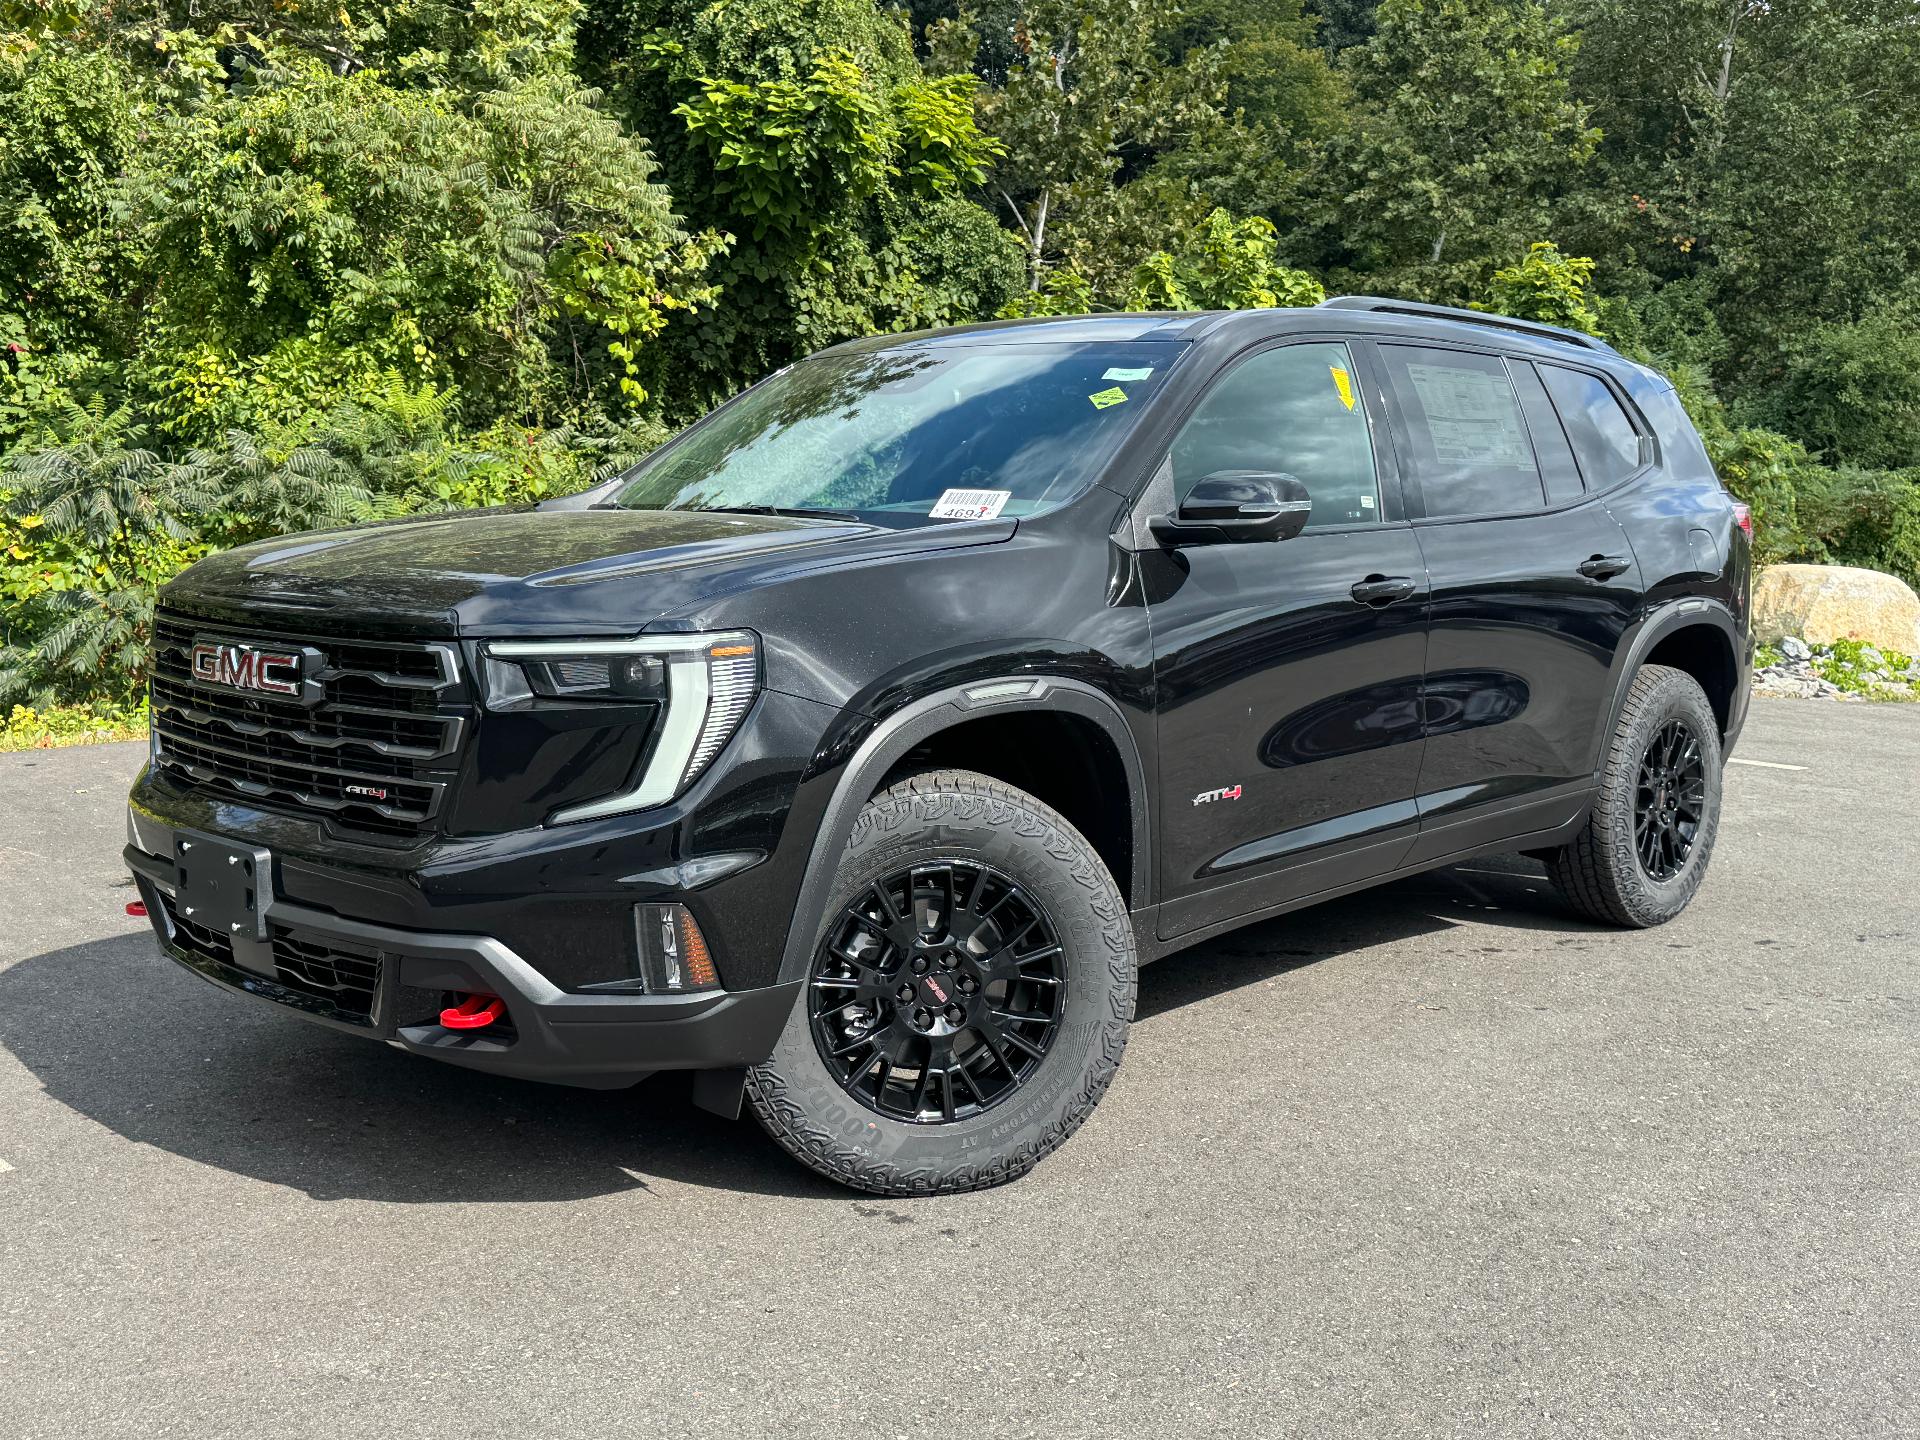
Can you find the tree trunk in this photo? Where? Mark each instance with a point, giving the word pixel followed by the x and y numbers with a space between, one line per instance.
pixel 1038 241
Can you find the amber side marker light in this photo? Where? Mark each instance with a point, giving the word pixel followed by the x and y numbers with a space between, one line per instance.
pixel 673 955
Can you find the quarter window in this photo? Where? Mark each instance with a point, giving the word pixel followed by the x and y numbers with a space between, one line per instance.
pixel 1295 410
pixel 1604 440
pixel 1550 448
pixel 1468 440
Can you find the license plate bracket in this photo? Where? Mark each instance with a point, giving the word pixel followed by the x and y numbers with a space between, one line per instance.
pixel 222 886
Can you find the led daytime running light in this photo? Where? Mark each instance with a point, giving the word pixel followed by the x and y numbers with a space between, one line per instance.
pixel 711 684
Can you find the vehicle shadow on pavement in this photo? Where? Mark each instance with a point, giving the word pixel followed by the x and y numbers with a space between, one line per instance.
pixel 116 1033
pixel 119 1034
pixel 1503 890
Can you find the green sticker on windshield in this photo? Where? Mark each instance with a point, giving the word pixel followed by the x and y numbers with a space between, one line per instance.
pixel 1103 398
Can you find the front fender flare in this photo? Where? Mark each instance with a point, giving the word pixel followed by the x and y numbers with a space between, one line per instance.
pixel 907 727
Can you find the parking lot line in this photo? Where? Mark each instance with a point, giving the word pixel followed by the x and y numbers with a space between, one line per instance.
pixel 1763 764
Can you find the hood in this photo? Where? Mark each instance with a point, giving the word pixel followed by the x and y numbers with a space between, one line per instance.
pixel 522 570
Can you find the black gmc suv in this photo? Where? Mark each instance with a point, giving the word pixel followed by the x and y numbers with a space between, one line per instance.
pixel 854 748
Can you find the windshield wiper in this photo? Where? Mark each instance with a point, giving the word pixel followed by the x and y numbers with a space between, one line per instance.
pixel 796 512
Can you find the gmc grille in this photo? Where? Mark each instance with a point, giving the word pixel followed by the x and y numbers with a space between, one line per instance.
pixel 376 754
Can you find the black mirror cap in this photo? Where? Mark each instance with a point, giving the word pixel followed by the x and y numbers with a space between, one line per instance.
pixel 1232 507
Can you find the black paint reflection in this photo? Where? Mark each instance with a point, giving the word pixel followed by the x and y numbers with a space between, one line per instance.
pixel 1467 699
pixel 1393 712
pixel 1369 718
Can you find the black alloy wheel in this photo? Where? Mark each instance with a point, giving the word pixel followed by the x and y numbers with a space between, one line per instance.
pixel 1669 800
pixel 937 991
pixel 1642 851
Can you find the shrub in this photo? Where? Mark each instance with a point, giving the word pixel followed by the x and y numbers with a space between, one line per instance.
pixel 1852 391
pixel 1860 517
pixel 99 523
pixel 25 728
pixel 1546 286
pixel 1226 264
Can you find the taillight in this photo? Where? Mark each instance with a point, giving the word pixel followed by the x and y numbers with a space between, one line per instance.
pixel 1743 517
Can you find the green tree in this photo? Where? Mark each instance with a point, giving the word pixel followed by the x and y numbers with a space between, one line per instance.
pixel 1250 149
pixel 1766 151
pixel 1086 88
pixel 315 237
pixel 68 129
pixel 1345 23
pixel 806 130
pixel 1469 133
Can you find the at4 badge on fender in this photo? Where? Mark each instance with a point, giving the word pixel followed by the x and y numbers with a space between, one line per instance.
pixel 1231 792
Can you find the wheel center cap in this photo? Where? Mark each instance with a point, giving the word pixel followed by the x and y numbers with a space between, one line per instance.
pixel 937 990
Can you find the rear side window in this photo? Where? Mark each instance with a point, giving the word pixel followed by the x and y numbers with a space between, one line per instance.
pixel 1604 440
pixel 1466 436
pixel 1550 445
pixel 1295 410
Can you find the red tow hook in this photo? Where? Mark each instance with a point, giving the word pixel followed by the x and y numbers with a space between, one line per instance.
pixel 137 909
pixel 476 1012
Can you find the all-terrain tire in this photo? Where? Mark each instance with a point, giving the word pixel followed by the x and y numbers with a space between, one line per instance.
pixel 1600 873
pixel 964 817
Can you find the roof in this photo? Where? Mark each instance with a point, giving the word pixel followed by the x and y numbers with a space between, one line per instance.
pixel 1365 314
pixel 1155 328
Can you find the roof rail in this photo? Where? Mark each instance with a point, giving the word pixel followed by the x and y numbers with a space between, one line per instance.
pixel 1385 306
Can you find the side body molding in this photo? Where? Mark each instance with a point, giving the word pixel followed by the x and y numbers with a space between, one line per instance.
pixel 1660 622
pixel 895 736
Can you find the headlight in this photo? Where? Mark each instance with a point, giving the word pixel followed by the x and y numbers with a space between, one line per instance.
pixel 704 684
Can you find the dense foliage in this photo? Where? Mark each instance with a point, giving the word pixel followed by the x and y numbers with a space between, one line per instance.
pixel 268 266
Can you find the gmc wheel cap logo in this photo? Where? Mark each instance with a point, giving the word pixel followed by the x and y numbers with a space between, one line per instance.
pixel 262 672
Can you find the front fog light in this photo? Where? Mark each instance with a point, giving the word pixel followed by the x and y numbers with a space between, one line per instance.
pixel 704 684
pixel 672 952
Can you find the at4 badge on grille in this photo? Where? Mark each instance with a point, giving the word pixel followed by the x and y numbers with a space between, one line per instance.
pixel 288 672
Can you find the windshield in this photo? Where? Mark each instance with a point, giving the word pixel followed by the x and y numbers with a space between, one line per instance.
pixel 901 435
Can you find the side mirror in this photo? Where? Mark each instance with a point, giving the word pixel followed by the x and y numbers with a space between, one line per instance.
pixel 1237 507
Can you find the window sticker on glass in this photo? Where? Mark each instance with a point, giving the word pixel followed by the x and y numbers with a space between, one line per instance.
pixel 1112 396
pixel 1472 416
pixel 1120 372
pixel 969 504
pixel 1342 382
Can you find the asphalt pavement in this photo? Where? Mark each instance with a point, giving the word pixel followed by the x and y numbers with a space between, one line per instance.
pixel 1434 1160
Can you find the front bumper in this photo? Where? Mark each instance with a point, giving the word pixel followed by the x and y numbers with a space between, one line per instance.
pixel 388 983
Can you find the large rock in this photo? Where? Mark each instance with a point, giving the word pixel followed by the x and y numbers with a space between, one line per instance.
pixel 1825 603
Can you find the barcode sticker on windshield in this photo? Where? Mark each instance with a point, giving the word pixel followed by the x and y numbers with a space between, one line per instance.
pixel 969 504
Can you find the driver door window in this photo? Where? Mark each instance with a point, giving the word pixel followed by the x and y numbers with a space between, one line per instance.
pixel 1297 411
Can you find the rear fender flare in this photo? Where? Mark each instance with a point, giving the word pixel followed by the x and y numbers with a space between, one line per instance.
pixel 1658 624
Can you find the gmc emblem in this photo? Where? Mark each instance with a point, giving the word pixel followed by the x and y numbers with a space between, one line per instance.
pixel 262 672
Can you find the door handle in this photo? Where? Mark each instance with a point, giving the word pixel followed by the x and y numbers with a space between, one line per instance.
pixel 1379 590
pixel 1603 567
